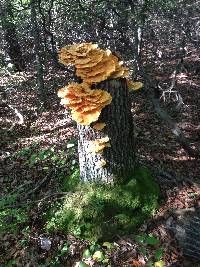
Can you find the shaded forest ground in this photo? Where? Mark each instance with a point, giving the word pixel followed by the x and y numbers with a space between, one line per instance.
pixel 38 155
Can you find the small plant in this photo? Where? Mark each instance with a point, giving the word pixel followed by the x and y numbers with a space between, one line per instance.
pixel 147 243
pixel 47 157
pixel 10 263
pixel 11 219
pixel 25 239
pixel 57 259
pixel 97 253
pixel 24 152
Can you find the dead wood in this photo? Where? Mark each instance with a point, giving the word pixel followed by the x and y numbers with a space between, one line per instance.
pixel 150 86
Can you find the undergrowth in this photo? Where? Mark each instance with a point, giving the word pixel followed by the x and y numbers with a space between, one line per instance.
pixel 96 212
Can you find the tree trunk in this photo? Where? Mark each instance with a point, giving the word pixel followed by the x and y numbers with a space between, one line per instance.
pixel 38 59
pixel 48 35
pixel 120 157
pixel 12 44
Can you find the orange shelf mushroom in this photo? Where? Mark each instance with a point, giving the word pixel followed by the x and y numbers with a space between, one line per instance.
pixel 93 65
pixel 97 146
pixel 101 163
pixel 99 126
pixel 134 85
pixel 100 71
pixel 70 53
pixel 86 103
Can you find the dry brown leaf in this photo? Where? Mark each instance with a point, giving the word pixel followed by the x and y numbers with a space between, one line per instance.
pixel 137 263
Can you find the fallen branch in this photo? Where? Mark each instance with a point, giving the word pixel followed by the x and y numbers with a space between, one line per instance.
pixel 18 114
pixel 149 87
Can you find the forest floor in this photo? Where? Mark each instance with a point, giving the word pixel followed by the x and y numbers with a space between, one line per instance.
pixel 38 152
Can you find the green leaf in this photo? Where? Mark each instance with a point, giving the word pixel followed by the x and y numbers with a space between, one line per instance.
pixel 45 168
pixel 158 254
pixel 143 251
pixel 151 240
pixel 33 158
pixel 54 158
pixel 98 256
pixel 42 155
pixel 108 245
pixel 83 264
pixel 140 238
pixel 159 264
pixel 65 248
pixel 86 254
pixel 63 162
pixel 94 247
pixel 150 263
pixel 69 145
pixel 105 261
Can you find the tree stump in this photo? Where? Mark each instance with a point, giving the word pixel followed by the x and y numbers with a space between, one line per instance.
pixel 120 157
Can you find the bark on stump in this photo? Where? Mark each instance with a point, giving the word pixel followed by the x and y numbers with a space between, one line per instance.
pixel 120 157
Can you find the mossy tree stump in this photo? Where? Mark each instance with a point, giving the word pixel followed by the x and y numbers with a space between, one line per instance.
pixel 120 156
pixel 110 196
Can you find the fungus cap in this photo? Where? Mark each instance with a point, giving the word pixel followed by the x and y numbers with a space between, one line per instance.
pixel 134 85
pixel 97 146
pixel 69 54
pixel 99 126
pixel 101 71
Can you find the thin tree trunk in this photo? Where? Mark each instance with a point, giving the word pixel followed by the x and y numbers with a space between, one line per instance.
pixel 13 47
pixel 46 18
pixel 137 49
pixel 120 157
pixel 38 59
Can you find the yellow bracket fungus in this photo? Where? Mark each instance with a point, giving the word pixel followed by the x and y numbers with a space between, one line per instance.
pixel 99 126
pixel 134 85
pixel 86 103
pixel 101 163
pixel 97 146
pixel 93 65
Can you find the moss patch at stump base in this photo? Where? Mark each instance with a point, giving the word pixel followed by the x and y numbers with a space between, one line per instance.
pixel 98 212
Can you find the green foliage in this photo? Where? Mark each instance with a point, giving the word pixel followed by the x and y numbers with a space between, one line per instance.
pixel 94 211
pixel 8 200
pixel 70 183
pixel 97 253
pixel 12 219
pixel 83 264
pixel 57 259
pixel 10 263
pixel 147 243
pixel 33 156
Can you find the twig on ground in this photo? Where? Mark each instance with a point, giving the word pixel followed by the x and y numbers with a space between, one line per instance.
pixel 17 189
pixel 43 181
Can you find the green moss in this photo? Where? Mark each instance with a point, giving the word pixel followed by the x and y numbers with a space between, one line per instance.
pixel 72 181
pixel 12 219
pixel 96 211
